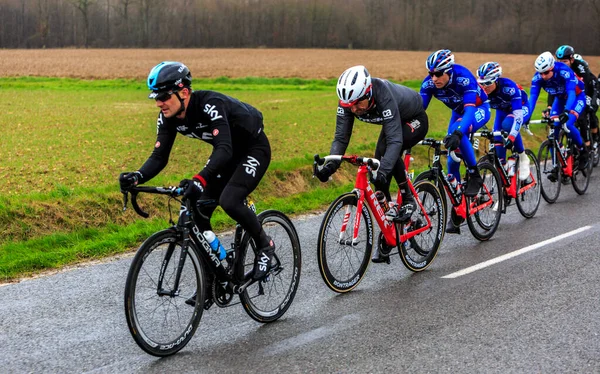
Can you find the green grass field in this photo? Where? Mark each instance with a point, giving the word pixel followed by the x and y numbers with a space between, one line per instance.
pixel 63 143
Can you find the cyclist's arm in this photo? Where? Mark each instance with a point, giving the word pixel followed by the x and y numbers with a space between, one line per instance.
pixel 468 118
pixel 343 131
pixel 162 149
pixel 534 94
pixel 517 111
pixel 426 92
pixel 570 86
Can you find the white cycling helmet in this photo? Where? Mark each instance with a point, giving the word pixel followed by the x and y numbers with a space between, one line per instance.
pixel 354 85
pixel 544 62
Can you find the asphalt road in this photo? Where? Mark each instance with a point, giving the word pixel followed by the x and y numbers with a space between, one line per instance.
pixel 534 312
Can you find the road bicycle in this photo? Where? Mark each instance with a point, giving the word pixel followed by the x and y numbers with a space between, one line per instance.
pixel 558 158
pixel 175 275
pixel 345 240
pixel 526 193
pixel 481 212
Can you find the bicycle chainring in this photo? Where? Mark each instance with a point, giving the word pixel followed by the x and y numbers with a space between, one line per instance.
pixel 220 295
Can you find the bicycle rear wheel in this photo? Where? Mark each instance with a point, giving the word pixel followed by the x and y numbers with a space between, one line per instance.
pixel 418 252
pixel 581 178
pixel 162 323
pixel 484 223
pixel 342 261
pixel 551 172
pixel 267 300
pixel 528 201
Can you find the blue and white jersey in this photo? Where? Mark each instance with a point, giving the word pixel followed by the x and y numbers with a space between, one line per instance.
pixel 462 90
pixel 508 96
pixel 563 84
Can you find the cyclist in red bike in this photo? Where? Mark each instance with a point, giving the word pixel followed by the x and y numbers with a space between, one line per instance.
pixel 398 110
pixel 240 157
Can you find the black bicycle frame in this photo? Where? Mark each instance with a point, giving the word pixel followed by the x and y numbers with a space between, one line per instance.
pixel 437 169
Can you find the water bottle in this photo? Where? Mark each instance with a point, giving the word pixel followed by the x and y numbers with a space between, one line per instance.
pixel 452 180
pixel 510 166
pixel 215 244
pixel 382 201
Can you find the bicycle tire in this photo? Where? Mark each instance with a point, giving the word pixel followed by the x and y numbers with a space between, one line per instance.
pixel 146 310
pixel 267 300
pixel 580 179
pixel 333 249
pixel 436 179
pixel 550 189
pixel 484 223
pixel 418 252
pixel 529 201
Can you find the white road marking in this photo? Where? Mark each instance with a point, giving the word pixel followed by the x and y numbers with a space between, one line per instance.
pixel 514 253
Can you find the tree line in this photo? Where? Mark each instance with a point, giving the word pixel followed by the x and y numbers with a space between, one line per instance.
pixel 501 26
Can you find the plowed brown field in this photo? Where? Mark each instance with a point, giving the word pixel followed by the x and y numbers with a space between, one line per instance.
pixel 302 63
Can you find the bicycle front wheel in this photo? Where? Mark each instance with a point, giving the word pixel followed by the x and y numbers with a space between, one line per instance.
pixel 267 300
pixel 551 172
pixel 418 252
pixel 484 222
pixel 343 261
pixel 159 319
pixel 528 201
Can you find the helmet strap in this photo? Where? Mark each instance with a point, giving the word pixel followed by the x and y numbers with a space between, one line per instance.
pixel 182 104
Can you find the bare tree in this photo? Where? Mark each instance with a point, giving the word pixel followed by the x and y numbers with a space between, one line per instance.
pixel 84 8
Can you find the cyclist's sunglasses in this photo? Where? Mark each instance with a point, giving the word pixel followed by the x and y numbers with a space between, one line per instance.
pixel 163 96
pixel 436 73
pixel 486 83
pixel 353 103
pixel 545 72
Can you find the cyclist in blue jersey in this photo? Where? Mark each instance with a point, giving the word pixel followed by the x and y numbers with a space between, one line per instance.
pixel 510 101
pixel 457 88
pixel 569 99
pixel 566 54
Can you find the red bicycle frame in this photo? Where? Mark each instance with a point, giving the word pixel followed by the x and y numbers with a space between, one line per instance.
pixel 365 193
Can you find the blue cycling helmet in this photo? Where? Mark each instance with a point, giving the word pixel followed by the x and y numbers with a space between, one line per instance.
pixel 168 76
pixel 489 73
pixel 441 60
pixel 564 52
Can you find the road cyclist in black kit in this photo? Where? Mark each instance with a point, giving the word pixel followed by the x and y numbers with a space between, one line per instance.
pixel 399 111
pixel 240 157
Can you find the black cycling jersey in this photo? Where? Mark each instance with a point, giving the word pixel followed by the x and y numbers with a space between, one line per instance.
pixel 394 105
pixel 226 123
pixel 240 157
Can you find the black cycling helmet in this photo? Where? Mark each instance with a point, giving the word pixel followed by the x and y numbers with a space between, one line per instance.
pixel 564 52
pixel 168 76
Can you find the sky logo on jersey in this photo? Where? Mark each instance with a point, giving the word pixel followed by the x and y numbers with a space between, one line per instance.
pixel 251 166
pixel 182 128
pixel 387 113
pixel 212 112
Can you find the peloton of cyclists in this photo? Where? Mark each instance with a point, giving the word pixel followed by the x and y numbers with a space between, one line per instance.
pixel 457 88
pixel 510 101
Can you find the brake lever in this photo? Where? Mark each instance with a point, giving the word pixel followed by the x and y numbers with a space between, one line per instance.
pixel 125 199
